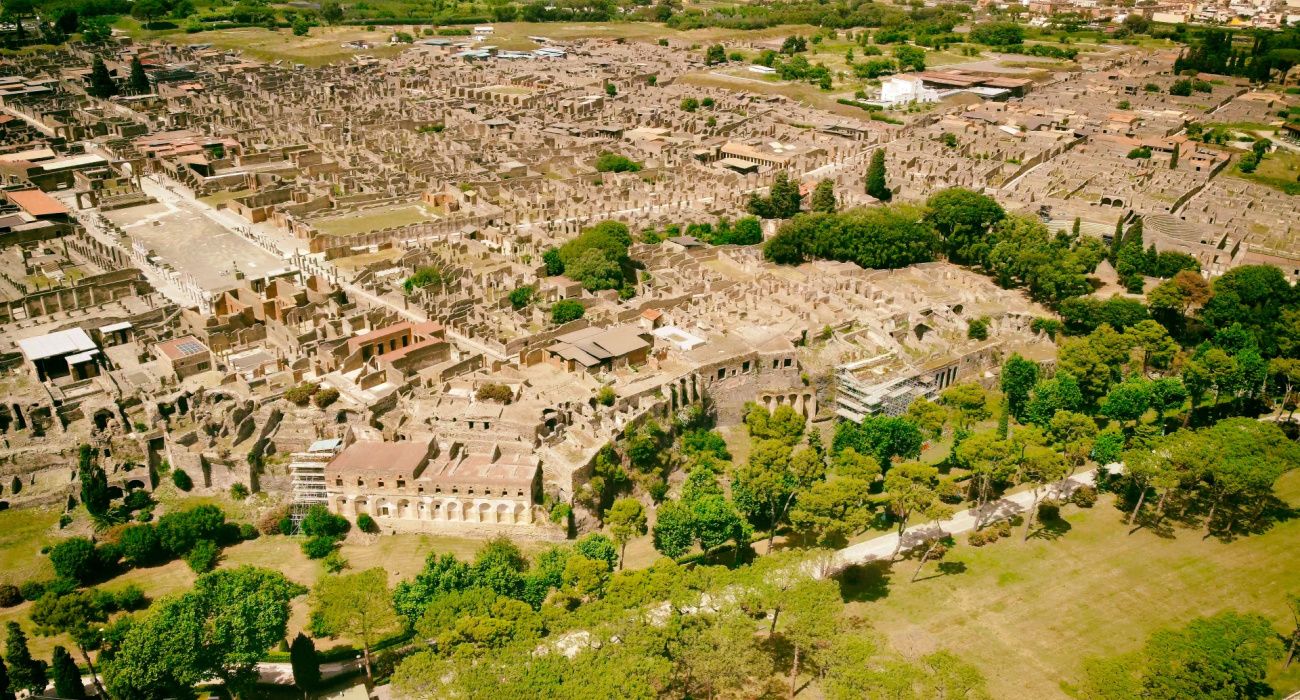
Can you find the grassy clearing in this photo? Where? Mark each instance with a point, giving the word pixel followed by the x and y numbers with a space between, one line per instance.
pixel 373 221
pixel 323 45
pixel 22 534
pixel 1028 614
pixel 1278 170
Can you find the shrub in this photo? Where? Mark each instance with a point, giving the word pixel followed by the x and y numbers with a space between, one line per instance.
pixel 302 393
pixel 65 520
pixel 978 329
pixel 238 491
pixel 1048 511
pixel 365 523
pixel 269 522
pixel 318 547
pixel 131 598
pixel 1003 528
pixel 319 522
pixel 203 556
pixel 141 545
pixel 334 562
pixel 614 163
pixel 31 590
pixel 1084 497
pixel 248 532
pixel 10 595
pixel 182 480
pixel 495 392
pixel 521 297
pixel 74 558
pixel 979 538
pixel 325 397
pixel 566 310
pixel 606 396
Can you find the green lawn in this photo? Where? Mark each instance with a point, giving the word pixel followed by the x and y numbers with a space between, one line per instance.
pixel 401 555
pixel 1028 613
pixel 22 534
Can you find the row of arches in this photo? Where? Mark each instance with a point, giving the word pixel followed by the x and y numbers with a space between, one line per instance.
pixel 492 512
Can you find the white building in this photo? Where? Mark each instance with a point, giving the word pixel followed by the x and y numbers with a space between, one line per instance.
pixel 898 90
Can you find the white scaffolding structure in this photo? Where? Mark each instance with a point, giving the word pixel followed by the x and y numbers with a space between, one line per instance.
pixel 307 470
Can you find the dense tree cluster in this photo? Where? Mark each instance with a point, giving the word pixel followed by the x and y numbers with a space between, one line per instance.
pixel 877 237
pixel 782 202
pixel 596 258
pixel 1271 55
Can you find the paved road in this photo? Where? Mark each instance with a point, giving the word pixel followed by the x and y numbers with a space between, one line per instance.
pixel 1002 509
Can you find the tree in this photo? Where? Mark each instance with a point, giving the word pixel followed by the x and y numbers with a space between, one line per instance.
pixel 766 485
pixel 79 615
pixel 716 53
pixel 25 672
pixel 441 575
pixel 964 219
pixel 823 197
pixel 94 484
pixel 300 26
pixel 810 609
pixel 1158 348
pixel 1039 466
pixel 1243 459
pixel 331 11
pixel 716 522
pixel 305 663
pixel 927 416
pixel 139 82
pixel 147 11
pixel 566 310
pixel 66 676
pixel 6 690
pixel 1018 379
pixel 876 186
pixel 1127 401
pixel 522 297
pixel 992 464
pixel 969 401
pixel 220 629
pixel 1225 656
pixel 1293 640
pixel 626 520
pixel 674 529
pixel 910 490
pixel 75 558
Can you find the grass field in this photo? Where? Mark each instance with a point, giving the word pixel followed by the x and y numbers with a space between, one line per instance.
pixel 1028 614
pixel 401 555
pixel 323 45
pixel 22 534
pixel 1278 170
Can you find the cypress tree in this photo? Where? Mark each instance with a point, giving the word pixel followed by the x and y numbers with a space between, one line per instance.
pixel 1117 240
pixel 24 671
pixel 823 198
pixel 67 677
pixel 6 692
pixel 305 663
pixel 1173 160
pixel 94 483
pixel 876 186
pixel 139 81
pixel 101 83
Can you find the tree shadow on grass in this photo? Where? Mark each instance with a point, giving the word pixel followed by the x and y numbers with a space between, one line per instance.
pixel 1051 529
pixel 946 568
pixel 865 582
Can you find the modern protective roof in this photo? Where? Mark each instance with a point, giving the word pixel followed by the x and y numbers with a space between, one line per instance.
pixel 69 342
